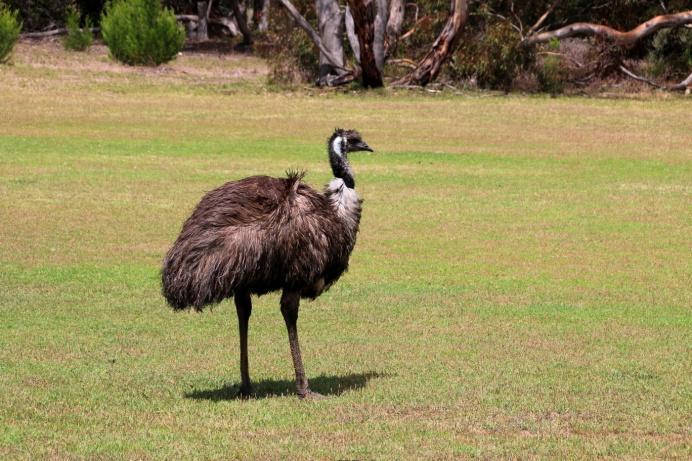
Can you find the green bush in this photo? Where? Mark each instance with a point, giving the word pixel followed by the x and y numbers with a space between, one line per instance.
pixel 77 39
pixel 9 31
pixel 671 52
pixel 293 58
pixel 141 32
pixel 494 57
pixel 550 70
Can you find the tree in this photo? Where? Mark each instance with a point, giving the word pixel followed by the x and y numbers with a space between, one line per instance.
pixel 429 67
pixel 370 40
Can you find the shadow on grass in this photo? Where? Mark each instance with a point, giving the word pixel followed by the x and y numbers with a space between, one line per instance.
pixel 325 385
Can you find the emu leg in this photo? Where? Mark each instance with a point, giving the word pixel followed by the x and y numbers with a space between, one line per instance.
pixel 290 301
pixel 243 305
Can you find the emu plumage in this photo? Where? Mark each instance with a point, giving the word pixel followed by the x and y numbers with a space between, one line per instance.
pixel 263 234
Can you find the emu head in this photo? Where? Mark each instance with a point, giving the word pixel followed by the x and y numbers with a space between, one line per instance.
pixel 339 145
pixel 344 141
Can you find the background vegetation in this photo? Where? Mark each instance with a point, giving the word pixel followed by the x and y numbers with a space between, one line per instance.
pixel 520 287
pixel 77 38
pixel 140 32
pixel 10 27
pixel 489 54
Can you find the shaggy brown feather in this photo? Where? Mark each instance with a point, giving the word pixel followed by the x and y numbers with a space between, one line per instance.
pixel 257 235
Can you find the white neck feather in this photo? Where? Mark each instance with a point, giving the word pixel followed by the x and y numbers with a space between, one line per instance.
pixel 337 144
pixel 345 201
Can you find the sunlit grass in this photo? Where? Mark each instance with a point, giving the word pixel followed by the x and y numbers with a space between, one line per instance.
pixel 520 287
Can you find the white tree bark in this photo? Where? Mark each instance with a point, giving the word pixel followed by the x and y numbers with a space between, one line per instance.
pixel 202 34
pixel 331 30
pixel 351 34
pixel 394 25
pixel 380 28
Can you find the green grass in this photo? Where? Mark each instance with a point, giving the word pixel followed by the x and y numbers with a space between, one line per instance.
pixel 521 286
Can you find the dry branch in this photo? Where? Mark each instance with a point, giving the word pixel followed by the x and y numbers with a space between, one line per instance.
pixel 684 85
pixel 634 76
pixel 227 22
pixel 542 19
pixel 620 38
pixel 52 33
pixel 430 65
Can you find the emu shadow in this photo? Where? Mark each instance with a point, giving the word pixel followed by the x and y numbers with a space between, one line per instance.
pixel 325 385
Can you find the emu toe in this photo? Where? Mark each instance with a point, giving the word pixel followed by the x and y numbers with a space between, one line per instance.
pixel 311 395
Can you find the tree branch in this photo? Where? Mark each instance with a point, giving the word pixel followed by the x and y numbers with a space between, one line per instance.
pixel 620 38
pixel 542 19
pixel 314 36
pixel 684 85
pixel 634 76
pixel 429 67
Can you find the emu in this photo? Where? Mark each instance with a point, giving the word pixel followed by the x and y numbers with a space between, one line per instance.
pixel 262 234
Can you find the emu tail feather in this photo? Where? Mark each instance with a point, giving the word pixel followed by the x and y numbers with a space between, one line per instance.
pixel 193 278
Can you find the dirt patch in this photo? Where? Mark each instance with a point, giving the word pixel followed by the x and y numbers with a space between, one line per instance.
pixel 213 60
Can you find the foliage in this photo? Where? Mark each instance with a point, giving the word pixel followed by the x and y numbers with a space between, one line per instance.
pixel 550 72
pixel 41 14
pixel 493 57
pixel 9 31
pixel 671 52
pixel 293 58
pixel 141 32
pixel 77 39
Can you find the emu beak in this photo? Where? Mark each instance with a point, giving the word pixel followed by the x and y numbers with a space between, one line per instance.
pixel 362 146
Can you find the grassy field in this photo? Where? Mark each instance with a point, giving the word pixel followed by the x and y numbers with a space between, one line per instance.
pixel 521 286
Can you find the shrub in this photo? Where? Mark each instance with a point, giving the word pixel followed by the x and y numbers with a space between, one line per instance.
pixel 140 32
pixel 671 52
pixel 493 58
pixel 550 70
pixel 9 31
pixel 77 39
pixel 293 58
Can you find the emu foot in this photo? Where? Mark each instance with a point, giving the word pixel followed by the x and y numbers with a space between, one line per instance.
pixel 307 394
pixel 246 392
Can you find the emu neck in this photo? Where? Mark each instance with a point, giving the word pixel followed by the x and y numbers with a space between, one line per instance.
pixel 338 159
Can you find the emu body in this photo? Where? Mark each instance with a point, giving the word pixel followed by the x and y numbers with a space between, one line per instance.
pixel 263 234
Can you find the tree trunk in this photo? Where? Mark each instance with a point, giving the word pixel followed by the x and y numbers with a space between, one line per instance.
pixel 242 22
pixel 364 12
pixel 202 34
pixel 381 16
pixel 618 37
pixel 260 15
pixel 330 27
pixel 429 67
pixel 351 34
pixel 346 74
pixel 394 25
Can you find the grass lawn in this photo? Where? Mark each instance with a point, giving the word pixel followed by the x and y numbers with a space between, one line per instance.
pixel 521 286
